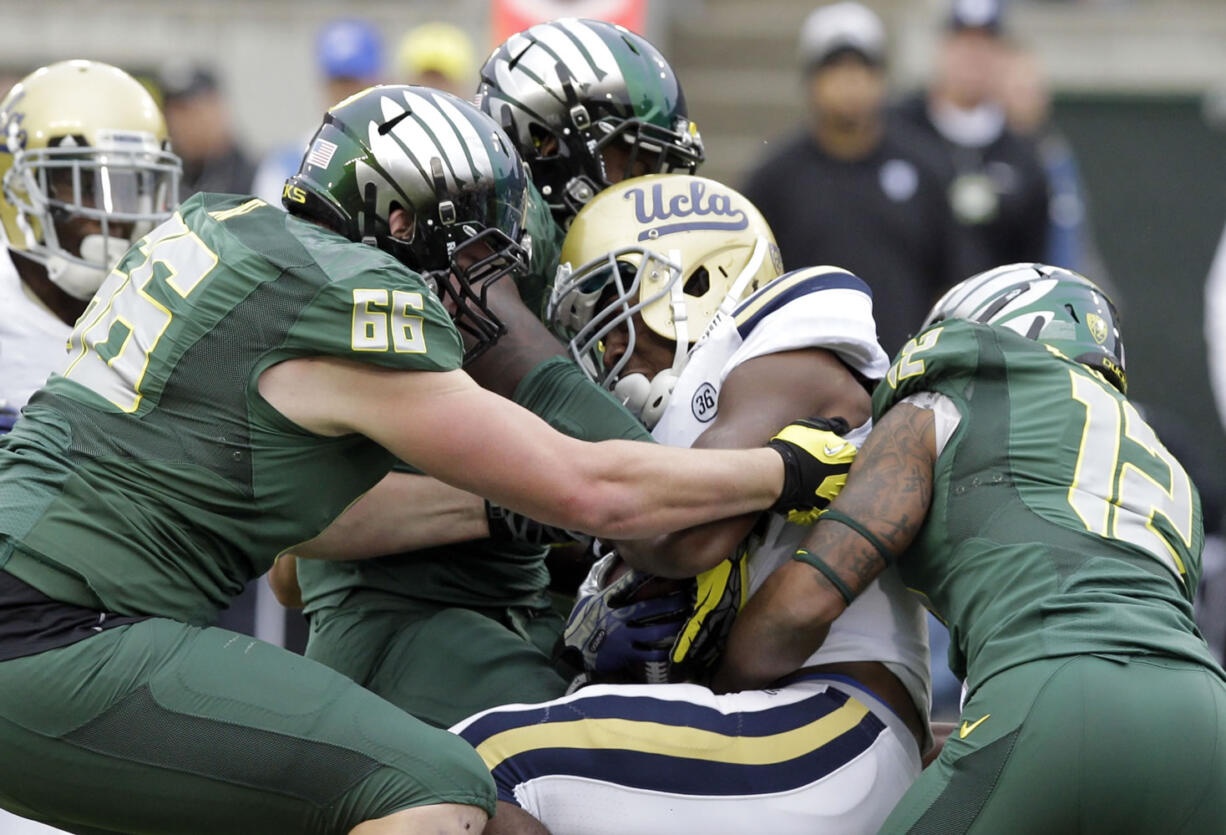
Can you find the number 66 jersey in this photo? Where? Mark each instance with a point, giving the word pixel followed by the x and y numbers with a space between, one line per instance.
pixel 151 478
pixel 1059 523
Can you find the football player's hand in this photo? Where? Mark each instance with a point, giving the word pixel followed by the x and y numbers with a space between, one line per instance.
pixel 623 636
pixel 515 527
pixel 718 595
pixel 8 417
pixel 816 459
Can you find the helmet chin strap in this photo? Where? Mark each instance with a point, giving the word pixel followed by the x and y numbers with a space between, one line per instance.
pixel 646 399
pixel 79 280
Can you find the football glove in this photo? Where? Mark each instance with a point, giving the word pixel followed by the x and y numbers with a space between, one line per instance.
pixel 8 417
pixel 508 525
pixel 816 459
pixel 623 640
pixel 718 595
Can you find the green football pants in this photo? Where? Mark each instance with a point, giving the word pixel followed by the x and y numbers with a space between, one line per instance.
pixel 1086 744
pixel 159 727
pixel 441 664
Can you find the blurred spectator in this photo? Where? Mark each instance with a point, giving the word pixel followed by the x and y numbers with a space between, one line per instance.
pixel 438 55
pixel 1026 99
pixel 854 190
pixel 349 55
pixel 999 189
pixel 200 132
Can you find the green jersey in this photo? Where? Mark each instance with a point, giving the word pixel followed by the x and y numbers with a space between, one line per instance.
pixel 486 572
pixel 151 477
pixel 1059 524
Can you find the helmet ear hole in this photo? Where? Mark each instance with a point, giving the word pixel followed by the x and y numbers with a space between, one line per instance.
pixel 544 142
pixel 698 284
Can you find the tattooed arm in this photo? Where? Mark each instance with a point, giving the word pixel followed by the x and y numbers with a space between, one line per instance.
pixel 888 491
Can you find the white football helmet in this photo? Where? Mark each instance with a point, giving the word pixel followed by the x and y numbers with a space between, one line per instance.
pixel 82 139
pixel 678 251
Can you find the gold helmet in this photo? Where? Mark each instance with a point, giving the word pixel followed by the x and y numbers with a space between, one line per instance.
pixel 679 250
pixel 85 165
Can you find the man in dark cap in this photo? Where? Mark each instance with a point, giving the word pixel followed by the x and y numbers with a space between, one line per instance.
pixel 852 190
pixel 999 192
pixel 199 124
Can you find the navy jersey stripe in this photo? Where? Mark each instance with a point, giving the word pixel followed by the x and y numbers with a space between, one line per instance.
pixel 789 287
pixel 765 722
pixel 684 775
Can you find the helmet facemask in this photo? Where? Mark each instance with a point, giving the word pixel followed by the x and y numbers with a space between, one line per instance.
pixel 579 167
pixel 476 261
pixel 606 294
pixel 124 190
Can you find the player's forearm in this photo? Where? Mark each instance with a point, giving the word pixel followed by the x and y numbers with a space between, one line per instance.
pixel 403 512
pixel 780 627
pixel 689 552
pixel 640 490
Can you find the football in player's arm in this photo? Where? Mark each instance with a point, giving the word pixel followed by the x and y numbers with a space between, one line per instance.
pixel 699 334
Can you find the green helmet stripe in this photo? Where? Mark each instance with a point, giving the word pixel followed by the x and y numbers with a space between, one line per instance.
pixel 472 162
pixel 367 157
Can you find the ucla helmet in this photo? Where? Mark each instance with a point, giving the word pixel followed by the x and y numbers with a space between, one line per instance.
pixel 443 162
pixel 85 170
pixel 675 249
pixel 568 90
pixel 1057 307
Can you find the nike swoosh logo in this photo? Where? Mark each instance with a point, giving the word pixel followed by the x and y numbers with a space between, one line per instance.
pixel 833 451
pixel 966 729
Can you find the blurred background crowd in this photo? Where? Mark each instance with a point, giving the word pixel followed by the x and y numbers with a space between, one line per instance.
pixel 914 142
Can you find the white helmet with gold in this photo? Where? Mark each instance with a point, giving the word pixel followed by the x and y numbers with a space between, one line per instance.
pixel 678 250
pixel 85 170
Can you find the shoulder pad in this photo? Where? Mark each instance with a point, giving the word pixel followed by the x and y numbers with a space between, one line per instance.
pixel 790 286
pixel 940 356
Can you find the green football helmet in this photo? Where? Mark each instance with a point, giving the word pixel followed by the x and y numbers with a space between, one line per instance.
pixel 571 91
pixel 1057 307
pixel 448 166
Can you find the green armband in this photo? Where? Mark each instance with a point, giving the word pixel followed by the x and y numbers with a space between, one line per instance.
pixel 843 519
pixel 814 560
pixel 558 391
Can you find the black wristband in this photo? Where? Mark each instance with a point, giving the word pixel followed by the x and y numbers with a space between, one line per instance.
pixel 791 474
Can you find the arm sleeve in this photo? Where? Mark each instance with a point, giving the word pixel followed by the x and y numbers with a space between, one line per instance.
pixel 557 391
pixel 384 316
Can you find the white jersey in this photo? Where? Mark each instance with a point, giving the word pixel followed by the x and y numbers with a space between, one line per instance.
pixel 820 307
pixel 817 755
pixel 33 340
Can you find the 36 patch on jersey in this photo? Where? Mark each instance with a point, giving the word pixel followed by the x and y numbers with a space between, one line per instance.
pixel 704 403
